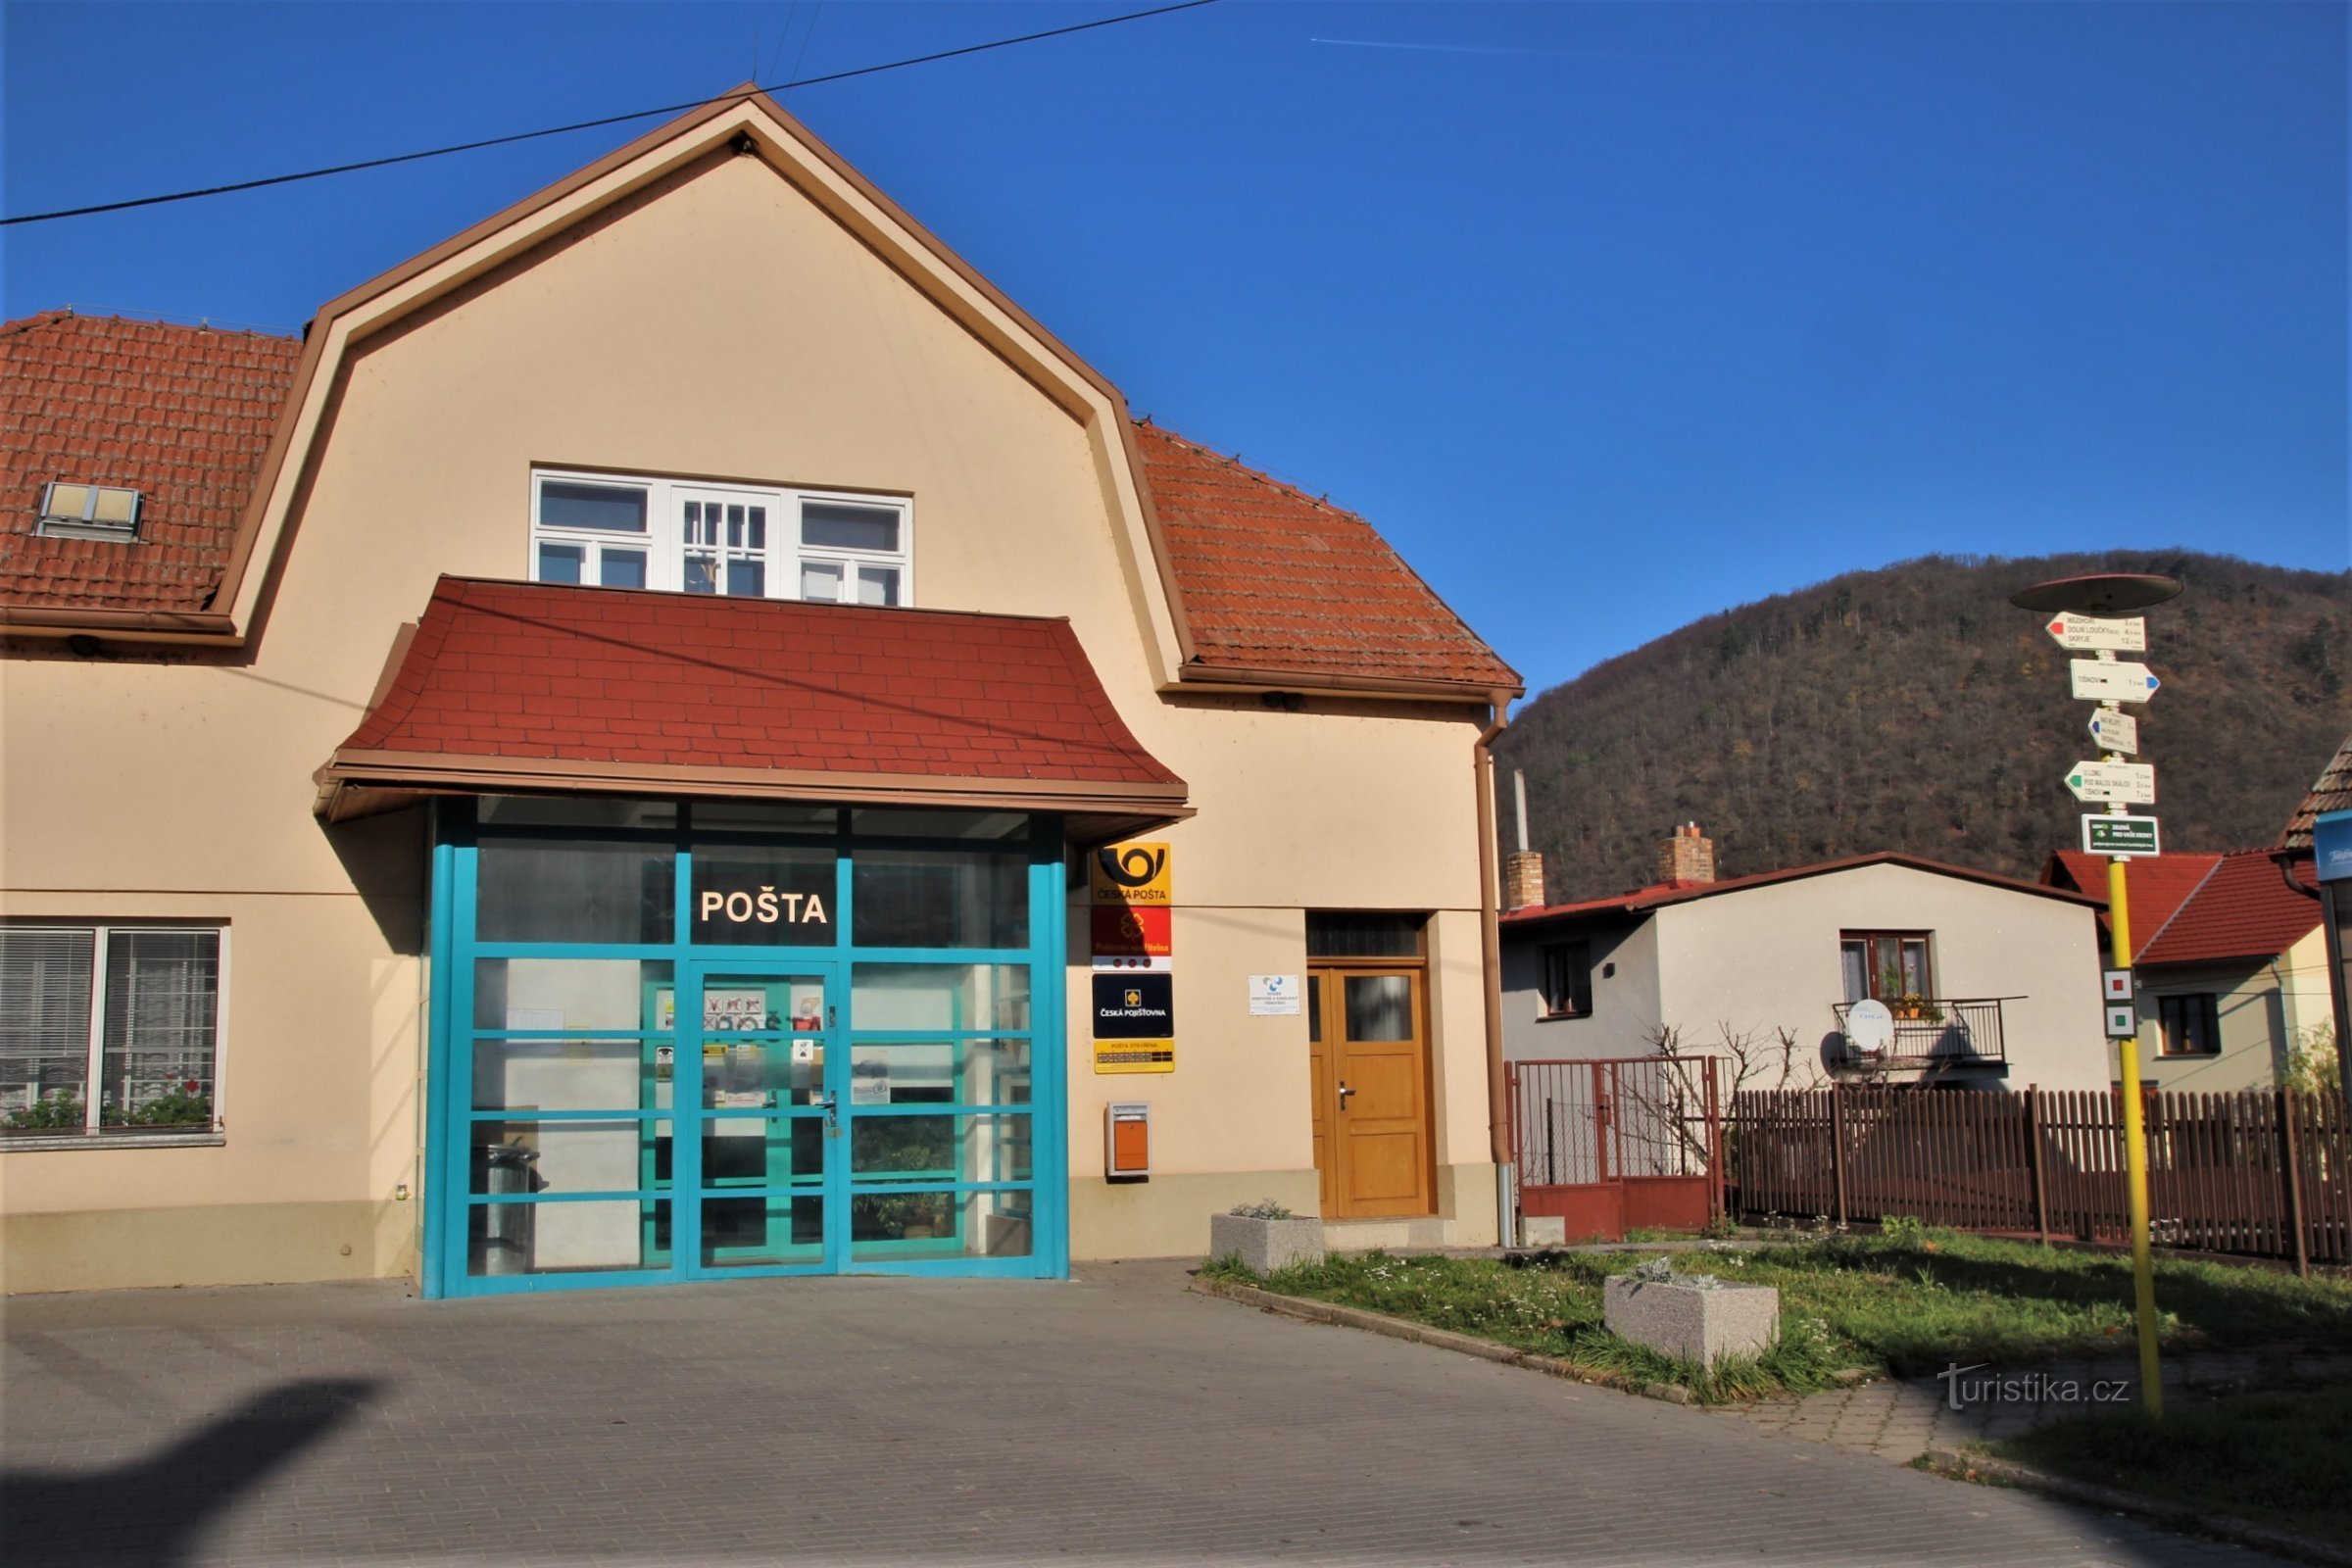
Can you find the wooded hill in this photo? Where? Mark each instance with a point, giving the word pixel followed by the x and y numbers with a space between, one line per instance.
pixel 1914 708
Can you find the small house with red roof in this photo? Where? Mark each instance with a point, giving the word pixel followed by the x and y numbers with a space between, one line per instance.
pixel 1990 982
pixel 681 734
pixel 2228 960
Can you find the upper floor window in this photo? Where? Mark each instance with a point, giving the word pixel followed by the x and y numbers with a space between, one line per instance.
pixel 88 512
pixel 1887 965
pixel 705 538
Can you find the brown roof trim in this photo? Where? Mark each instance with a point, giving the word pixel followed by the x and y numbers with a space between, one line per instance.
pixel 373 773
pixel 1209 677
pixel 1641 900
pixel 146 625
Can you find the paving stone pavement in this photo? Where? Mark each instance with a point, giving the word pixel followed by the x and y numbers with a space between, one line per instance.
pixel 1113 1419
pixel 1901 1419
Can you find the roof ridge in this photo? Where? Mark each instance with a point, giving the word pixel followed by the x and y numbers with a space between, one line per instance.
pixel 1233 460
pixel 2179 910
pixel 204 324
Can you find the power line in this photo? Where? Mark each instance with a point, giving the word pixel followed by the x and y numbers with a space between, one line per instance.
pixel 591 124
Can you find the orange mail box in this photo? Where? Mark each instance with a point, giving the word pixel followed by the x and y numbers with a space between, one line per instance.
pixel 1127 1140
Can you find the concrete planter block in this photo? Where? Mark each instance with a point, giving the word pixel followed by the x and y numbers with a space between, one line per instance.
pixel 1692 1322
pixel 1542 1230
pixel 1266 1245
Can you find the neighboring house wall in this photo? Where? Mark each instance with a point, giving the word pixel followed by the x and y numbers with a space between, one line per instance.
pixel 1625 1003
pixel 718 325
pixel 1758 960
pixel 1766 959
pixel 2259 1010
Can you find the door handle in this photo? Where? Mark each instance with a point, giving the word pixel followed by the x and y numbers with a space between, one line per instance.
pixel 1345 1092
pixel 832 1104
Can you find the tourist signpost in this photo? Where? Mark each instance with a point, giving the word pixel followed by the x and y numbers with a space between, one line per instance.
pixel 2114 730
pixel 2115 783
pixel 2093 614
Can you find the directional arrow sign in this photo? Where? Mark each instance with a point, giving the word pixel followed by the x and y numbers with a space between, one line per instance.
pixel 2102 680
pixel 2118 783
pixel 2126 636
pixel 2114 731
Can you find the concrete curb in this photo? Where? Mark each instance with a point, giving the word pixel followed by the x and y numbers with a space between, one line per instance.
pixel 1984 1468
pixel 1397 1328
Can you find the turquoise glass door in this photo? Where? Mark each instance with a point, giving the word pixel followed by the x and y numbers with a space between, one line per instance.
pixel 760 1087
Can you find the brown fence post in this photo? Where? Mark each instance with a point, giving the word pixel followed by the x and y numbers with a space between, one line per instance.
pixel 2291 1156
pixel 2042 1184
pixel 1837 1146
pixel 1715 1188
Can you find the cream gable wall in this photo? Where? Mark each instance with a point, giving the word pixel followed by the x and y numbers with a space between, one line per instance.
pixel 717 324
pixel 1766 957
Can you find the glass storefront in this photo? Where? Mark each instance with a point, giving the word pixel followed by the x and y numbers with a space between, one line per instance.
pixel 684 1040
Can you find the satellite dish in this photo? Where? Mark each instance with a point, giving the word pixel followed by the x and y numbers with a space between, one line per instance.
pixel 1869 1029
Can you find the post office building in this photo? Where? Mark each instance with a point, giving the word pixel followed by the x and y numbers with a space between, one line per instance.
pixel 679 734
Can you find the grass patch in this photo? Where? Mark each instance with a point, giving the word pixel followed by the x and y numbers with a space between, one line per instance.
pixel 1909 1305
pixel 2284 1457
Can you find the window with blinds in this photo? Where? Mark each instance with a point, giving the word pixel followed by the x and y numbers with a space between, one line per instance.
pixel 109 1029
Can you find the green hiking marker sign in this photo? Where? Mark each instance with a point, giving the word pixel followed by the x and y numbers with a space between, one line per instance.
pixel 2119 837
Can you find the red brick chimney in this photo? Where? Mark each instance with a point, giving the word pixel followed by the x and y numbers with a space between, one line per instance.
pixel 1688 856
pixel 1523 881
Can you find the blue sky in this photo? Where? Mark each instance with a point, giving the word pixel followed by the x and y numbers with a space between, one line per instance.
pixel 1609 316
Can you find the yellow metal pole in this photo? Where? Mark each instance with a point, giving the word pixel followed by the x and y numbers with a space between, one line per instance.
pixel 2136 1155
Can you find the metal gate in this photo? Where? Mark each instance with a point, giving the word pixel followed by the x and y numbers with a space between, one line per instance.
pixel 1607 1147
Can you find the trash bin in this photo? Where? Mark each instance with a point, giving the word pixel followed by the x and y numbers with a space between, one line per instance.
pixel 503 1242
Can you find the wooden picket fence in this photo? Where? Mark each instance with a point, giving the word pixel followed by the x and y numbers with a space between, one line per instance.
pixel 2265 1174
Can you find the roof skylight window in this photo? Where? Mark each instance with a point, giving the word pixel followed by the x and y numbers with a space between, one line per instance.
pixel 89 511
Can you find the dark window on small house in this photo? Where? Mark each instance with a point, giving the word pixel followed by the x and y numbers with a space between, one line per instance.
pixel 1568 980
pixel 2189 1026
pixel 1364 936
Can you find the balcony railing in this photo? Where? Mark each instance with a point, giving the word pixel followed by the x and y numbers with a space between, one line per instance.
pixel 1942 1032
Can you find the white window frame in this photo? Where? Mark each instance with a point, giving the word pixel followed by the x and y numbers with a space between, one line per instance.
pixel 663 539
pixel 93 1134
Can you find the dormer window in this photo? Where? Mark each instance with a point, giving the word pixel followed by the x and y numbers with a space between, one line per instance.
pixel 88 512
pixel 707 537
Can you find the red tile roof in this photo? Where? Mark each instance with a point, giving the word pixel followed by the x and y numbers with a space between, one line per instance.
pixel 181 413
pixel 1272 578
pixel 533 672
pixel 2242 910
pixel 2332 792
pixel 2158 885
pixel 1268 577
pixel 1640 901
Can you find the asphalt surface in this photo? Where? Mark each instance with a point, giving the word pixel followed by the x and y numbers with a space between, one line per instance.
pixel 1113 1419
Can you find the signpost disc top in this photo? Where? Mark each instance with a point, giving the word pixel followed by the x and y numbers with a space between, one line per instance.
pixel 2108 594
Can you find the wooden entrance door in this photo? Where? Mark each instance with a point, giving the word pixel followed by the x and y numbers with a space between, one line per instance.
pixel 1369 1046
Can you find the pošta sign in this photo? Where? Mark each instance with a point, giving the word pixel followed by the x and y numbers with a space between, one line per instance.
pixel 791 908
pixel 2122 783
pixel 2128 635
pixel 2119 838
pixel 1130 873
pixel 2112 680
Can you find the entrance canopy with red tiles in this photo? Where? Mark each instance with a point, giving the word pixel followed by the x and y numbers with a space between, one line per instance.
pixel 509 687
